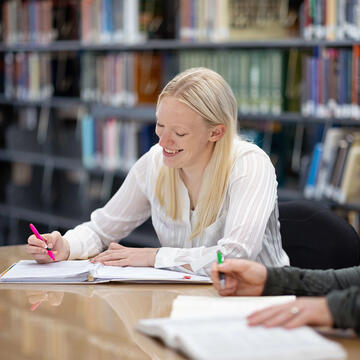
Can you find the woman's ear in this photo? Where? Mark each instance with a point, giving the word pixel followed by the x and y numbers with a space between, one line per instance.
pixel 217 132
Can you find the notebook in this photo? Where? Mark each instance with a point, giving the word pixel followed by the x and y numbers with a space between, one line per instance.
pixel 231 338
pixel 83 271
pixel 206 327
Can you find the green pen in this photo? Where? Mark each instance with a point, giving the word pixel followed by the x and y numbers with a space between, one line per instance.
pixel 221 274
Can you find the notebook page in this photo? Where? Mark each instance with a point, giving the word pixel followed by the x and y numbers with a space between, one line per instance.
pixel 229 339
pixel 30 270
pixel 187 307
pixel 144 274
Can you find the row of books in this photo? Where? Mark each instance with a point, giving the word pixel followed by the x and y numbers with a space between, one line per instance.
pixel 114 144
pixel 121 79
pixel 221 20
pixel 332 19
pixel 28 21
pixel 255 76
pixel 109 21
pixel 92 21
pixel 334 171
pixel 263 81
pixel 332 81
pixel 28 76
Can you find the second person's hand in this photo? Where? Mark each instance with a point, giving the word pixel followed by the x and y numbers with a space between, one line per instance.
pixel 302 311
pixel 58 245
pixel 242 277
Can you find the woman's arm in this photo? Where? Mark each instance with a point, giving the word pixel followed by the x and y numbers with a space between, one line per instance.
pixel 126 210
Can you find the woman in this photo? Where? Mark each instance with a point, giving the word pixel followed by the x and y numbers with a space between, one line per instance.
pixel 205 189
pixel 337 301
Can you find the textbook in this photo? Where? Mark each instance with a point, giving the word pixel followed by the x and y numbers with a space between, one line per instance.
pixel 83 271
pixel 213 327
pixel 230 338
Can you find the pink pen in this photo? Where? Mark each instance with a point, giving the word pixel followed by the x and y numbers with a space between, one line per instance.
pixel 36 233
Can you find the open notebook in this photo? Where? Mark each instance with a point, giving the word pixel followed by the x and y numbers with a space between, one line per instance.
pixel 216 328
pixel 83 271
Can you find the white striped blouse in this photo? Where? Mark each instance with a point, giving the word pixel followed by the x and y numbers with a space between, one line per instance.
pixel 246 227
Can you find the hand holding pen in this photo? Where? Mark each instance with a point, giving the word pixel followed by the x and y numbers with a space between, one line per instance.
pixel 36 233
pixel 41 247
pixel 221 274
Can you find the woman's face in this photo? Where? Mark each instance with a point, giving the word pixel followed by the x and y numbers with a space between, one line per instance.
pixel 186 139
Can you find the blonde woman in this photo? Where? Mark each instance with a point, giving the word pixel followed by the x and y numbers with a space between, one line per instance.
pixel 205 189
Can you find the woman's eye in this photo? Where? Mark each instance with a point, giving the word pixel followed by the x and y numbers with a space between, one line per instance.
pixel 180 134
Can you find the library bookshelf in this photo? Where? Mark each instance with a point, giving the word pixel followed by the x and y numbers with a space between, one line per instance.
pixel 46 119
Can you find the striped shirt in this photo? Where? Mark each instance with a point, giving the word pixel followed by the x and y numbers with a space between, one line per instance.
pixel 246 226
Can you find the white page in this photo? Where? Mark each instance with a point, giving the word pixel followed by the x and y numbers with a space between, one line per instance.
pixel 30 270
pixel 144 274
pixel 232 338
pixel 187 307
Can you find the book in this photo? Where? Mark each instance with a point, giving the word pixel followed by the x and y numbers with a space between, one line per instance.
pixel 189 307
pixel 349 190
pixel 83 271
pixel 231 338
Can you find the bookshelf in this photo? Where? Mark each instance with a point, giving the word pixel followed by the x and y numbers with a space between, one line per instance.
pixel 71 49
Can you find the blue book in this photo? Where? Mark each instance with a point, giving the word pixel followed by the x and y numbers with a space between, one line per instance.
pixel 88 141
pixel 310 186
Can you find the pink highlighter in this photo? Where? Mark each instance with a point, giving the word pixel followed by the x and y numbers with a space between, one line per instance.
pixel 36 233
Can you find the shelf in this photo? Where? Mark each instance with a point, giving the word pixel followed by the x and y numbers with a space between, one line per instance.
pixel 41 159
pixel 174 44
pixel 146 113
pixel 53 161
pixel 55 102
pixel 42 217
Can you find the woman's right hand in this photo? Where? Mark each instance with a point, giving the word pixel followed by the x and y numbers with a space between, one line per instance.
pixel 58 245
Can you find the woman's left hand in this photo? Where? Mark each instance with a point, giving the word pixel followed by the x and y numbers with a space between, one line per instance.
pixel 118 255
pixel 303 311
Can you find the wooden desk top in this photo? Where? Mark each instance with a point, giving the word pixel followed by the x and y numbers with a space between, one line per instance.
pixel 89 321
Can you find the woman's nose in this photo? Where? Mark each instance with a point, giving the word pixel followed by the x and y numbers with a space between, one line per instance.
pixel 165 139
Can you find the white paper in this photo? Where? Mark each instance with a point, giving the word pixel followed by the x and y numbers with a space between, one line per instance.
pixel 232 338
pixel 30 270
pixel 118 273
pixel 187 307
pixel 79 270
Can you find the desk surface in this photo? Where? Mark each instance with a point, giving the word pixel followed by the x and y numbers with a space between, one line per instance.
pixel 89 321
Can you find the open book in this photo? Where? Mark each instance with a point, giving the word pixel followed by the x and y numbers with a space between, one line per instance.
pixel 83 271
pixel 216 328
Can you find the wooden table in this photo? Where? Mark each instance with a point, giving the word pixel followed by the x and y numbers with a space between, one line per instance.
pixel 89 321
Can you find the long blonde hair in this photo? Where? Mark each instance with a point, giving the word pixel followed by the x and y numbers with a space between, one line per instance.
pixel 207 93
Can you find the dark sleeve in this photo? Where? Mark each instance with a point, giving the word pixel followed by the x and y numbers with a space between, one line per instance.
pixel 295 281
pixel 344 306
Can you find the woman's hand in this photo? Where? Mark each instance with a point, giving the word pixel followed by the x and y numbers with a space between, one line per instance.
pixel 242 277
pixel 118 255
pixel 58 245
pixel 303 311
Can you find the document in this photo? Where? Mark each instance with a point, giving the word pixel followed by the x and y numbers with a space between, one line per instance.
pixel 189 307
pixel 83 271
pixel 231 338
pixel 211 327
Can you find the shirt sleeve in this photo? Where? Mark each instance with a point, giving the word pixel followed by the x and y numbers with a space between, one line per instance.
pixel 126 210
pixel 303 282
pixel 344 306
pixel 252 197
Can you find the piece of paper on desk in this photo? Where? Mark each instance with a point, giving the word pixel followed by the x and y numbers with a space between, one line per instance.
pixel 83 270
pixel 232 338
pixel 187 307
